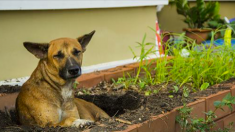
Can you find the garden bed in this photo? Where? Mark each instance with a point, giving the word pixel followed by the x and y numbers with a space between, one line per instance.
pixel 128 105
pixel 146 96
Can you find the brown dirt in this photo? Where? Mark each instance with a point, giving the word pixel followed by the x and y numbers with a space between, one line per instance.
pixel 9 89
pixel 118 102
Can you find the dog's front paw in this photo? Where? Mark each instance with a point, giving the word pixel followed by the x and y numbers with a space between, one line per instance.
pixel 82 123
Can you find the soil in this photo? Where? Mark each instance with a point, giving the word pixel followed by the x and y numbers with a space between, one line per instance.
pixel 5 89
pixel 128 105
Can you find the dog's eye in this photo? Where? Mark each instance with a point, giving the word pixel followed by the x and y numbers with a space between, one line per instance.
pixel 59 55
pixel 76 52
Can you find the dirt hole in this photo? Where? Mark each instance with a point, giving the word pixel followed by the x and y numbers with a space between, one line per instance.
pixel 115 105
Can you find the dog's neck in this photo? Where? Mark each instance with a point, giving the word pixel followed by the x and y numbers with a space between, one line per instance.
pixel 63 87
pixel 49 77
pixel 66 91
pixel 52 77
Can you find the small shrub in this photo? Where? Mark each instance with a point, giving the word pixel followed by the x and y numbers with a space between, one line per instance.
pixel 201 124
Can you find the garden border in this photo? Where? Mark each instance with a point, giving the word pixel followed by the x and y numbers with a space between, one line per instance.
pixel 161 123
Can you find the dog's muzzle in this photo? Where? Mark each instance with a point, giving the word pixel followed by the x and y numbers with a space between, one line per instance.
pixel 74 71
pixel 71 70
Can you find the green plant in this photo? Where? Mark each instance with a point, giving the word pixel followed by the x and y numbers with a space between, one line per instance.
pixel 175 89
pixel 232 25
pixel 124 81
pixel 147 93
pixel 144 68
pixel 201 67
pixel 75 84
pixel 205 64
pixel 221 26
pixel 142 85
pixel 216 23
pixel 161 70
pixel 144 54
pixel 186 92
pixel 204 86
pixel 201 124
pixel 86 92
pixel 197 15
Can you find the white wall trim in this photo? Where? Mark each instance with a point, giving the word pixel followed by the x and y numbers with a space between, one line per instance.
pixel 74 4
pixel 86 69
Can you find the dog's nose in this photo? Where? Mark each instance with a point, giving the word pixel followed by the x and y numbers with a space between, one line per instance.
pixel 74 70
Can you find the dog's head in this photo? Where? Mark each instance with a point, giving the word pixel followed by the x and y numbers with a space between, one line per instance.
pixel 63 55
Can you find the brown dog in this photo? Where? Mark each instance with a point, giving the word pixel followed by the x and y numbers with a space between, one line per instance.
pixel 47 99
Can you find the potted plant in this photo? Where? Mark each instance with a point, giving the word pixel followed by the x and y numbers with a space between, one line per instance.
pixel 196 17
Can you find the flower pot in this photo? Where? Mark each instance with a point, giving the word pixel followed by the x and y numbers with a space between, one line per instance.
pixel 199 35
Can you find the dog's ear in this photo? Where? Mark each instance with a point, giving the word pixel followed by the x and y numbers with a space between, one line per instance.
pixel 38 49
pixel 85 39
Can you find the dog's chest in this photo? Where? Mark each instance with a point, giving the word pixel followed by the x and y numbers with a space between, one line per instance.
pixel 67 100
pixel 60 113
pixel 66 93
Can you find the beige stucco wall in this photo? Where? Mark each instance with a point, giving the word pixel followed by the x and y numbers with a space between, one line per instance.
pixel 116 29
pixel 169 20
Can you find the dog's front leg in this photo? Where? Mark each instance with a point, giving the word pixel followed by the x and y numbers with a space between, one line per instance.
pixel 75 122
pixel 82 122
pixel 70 117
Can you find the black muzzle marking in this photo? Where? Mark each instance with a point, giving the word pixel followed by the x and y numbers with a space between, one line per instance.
pixel 71 70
